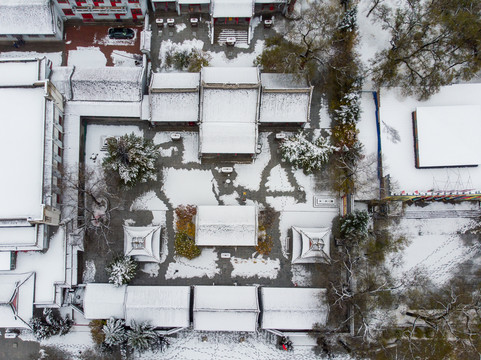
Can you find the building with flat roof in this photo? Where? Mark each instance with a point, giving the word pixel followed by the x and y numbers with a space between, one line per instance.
pixel 32 20
pixel 30 191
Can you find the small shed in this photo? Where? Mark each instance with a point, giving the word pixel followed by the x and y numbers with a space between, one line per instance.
pixel 103 301
pixel 160 306
pixel 226 226
pixel 142 243
pixel 310 245
pixel 225 308
pixel 16 300
pixel 293 308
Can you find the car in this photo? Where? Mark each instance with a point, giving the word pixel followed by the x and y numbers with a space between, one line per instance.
pixel 121 33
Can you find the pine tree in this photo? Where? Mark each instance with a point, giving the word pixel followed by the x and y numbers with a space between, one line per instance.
pixel 114 331
pixel 141 336
pixel 121 270
pixel 305 154
pixel 354 224
pixel 132 158
pixel 49 325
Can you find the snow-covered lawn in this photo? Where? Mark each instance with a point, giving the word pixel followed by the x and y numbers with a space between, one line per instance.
pixel 204 265
pixel 255 267
pixel 183 186
pixel 250 175
pixel 278 180
pixel 436 246
pixel 397 142
pixel 148 201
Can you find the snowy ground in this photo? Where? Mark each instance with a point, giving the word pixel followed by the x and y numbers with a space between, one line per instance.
pixel 437 245
pixel 55 57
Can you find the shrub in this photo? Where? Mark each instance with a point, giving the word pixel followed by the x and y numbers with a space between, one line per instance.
pixel 264 243
pixel 132 158
pixel 49 325
pixel 181 60
pixel 185 246
pixel 354 224
pixel 141 337
pixel 121 270
pixel 185 232
pixel 114 332
pixel 96 332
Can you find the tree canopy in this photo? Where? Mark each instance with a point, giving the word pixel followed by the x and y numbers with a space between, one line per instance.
pixel 433 43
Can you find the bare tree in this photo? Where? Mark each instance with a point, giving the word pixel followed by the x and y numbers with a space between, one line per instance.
pixel 88 199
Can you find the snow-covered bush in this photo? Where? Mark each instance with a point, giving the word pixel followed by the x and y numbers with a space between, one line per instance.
pixel 348 110
pixel 354 224
pixel 49 325
pixel 304 154
pixel 141 336
pixel 114 332
pixel 121 270
pixel 349 20
pixel 132 158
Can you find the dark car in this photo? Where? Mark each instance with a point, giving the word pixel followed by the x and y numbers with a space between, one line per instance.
pixel 121 33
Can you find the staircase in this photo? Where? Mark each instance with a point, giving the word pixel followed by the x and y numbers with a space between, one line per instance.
pixel 241 35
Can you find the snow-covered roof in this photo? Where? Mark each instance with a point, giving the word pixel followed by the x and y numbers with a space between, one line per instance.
pixel 310 245
pixel 142 243
pixel 22 72
pixel 161 306
pixel 22 151
pixel 5 260
pixel 16 299
pixel 21 237
pixel 397 141
pixel 230 75
pixel 226 226
pixel 225 308
pixel 168 81
pixel 174 106
pixel 227 105
pixel 228 138
pixel 283 81
pixel 103 301
pixel 293 308
pixel 107 84
pixel 284 107
pixel 26 17
pixel 448 135
pixel 232 8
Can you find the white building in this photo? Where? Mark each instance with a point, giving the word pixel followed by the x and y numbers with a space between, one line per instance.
pixel 29 193
pixel 225 308
pixel 229 112
pixel 32 20
pixel 310 245
pixel 294 309
pixel 101 10
pixel 142 243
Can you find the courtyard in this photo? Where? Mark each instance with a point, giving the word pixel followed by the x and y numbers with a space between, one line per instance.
pixel 183 179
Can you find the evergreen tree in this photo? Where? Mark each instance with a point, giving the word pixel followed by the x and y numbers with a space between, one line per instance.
pixel 121 270
pixel 305 154
pixel 354 224
pixel 141 337
pixel 49 325
pixel 114 331
pixel 132 158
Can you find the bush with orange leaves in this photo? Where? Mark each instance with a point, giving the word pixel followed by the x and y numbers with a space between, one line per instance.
pixel 185 232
